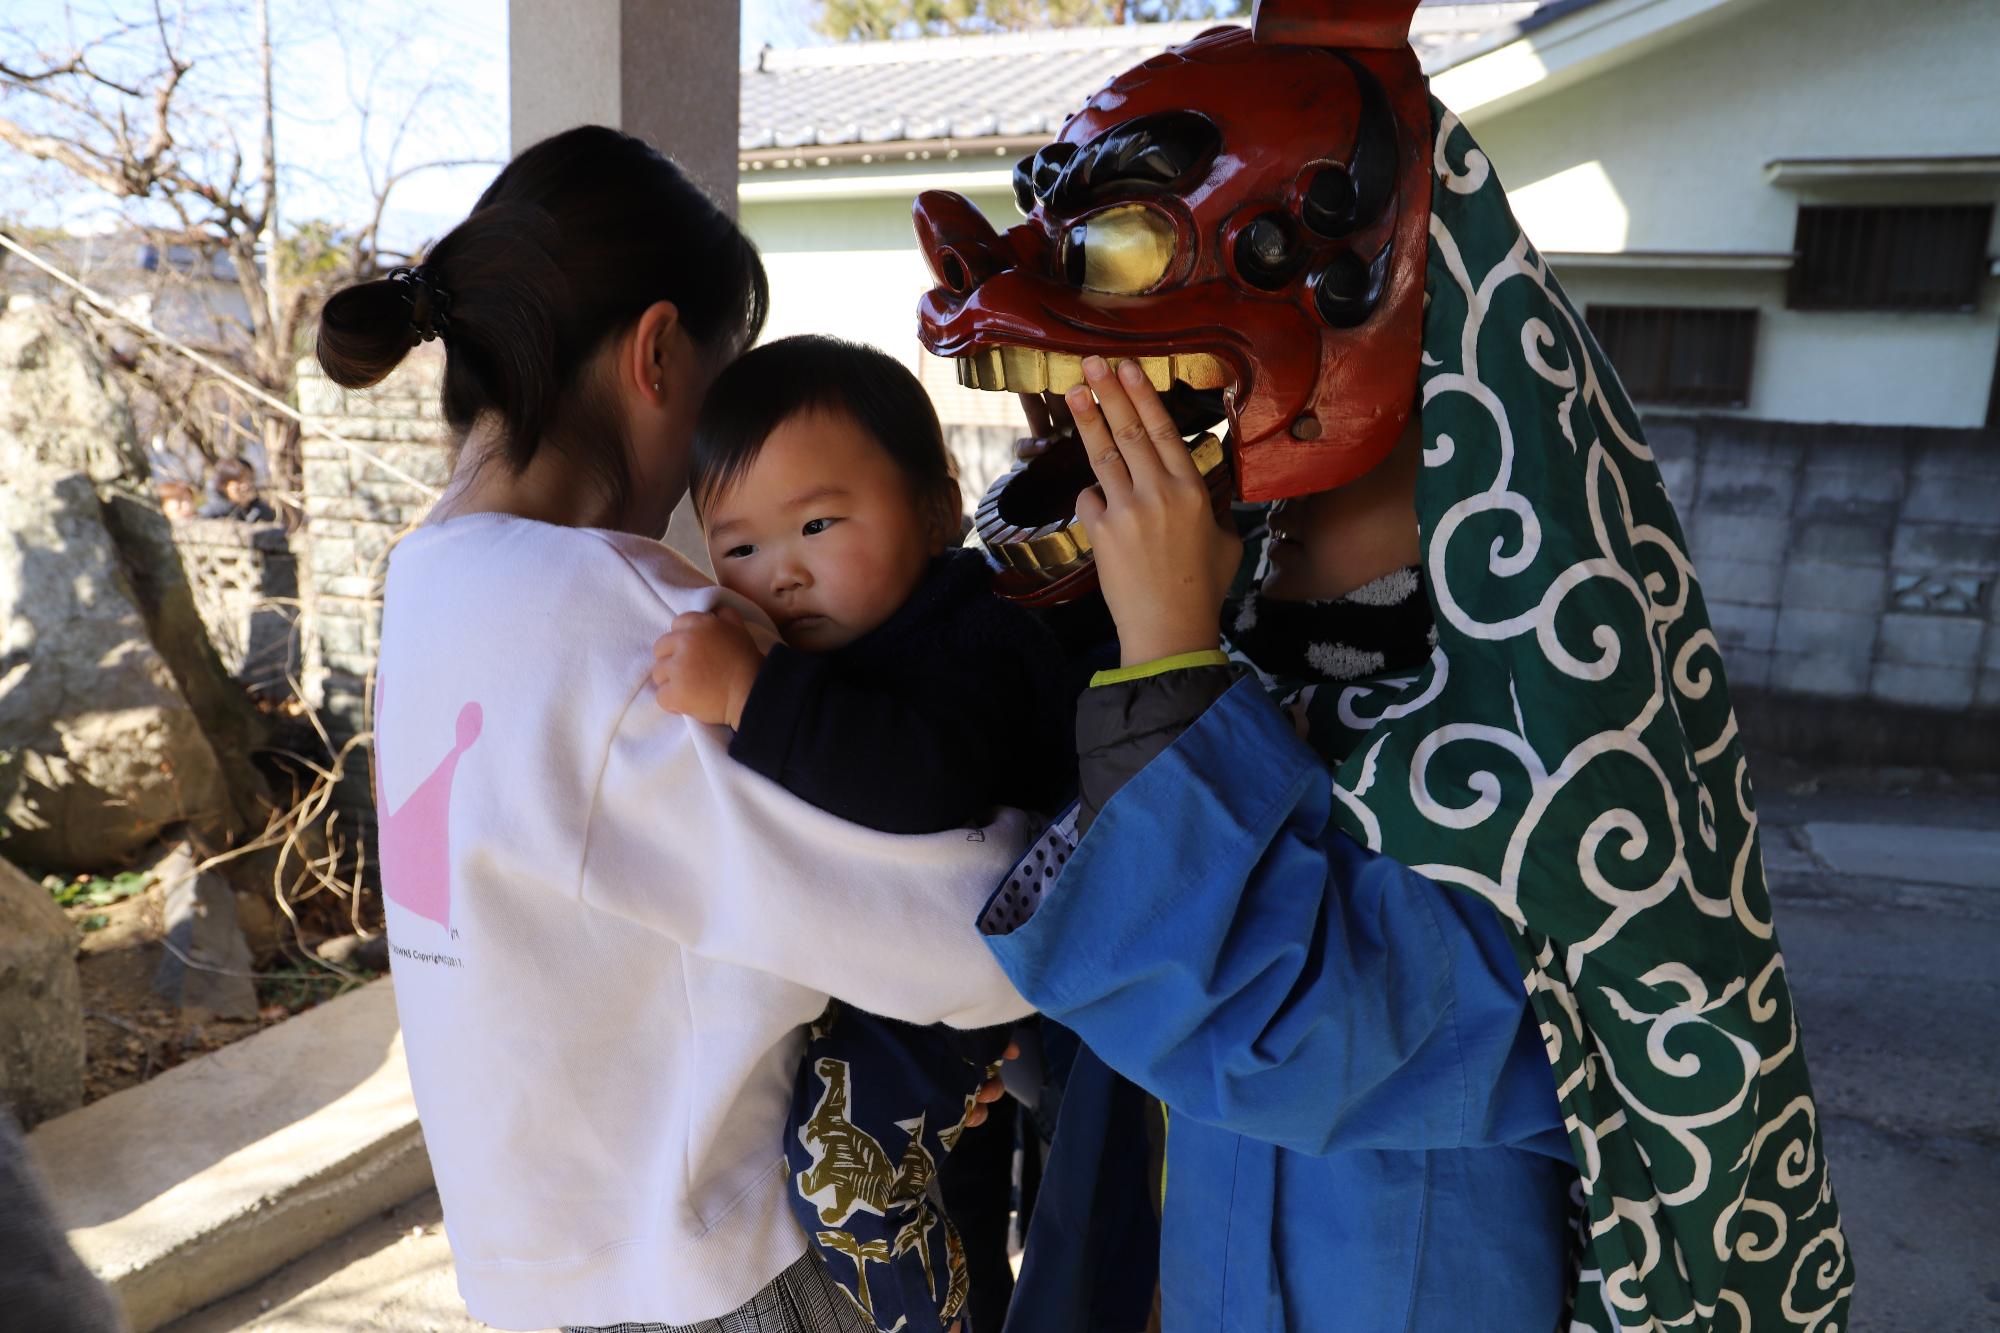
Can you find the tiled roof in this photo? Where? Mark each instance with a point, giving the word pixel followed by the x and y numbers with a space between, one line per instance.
pixel 1016 85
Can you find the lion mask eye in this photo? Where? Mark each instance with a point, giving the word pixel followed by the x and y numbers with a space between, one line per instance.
pixel 1122 250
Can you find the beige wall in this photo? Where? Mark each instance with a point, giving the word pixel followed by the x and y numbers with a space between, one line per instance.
pixel 851 266
pixel 1667 152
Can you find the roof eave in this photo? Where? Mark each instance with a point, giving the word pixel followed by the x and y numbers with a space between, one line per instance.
pixel 890 150
pixel 1561 44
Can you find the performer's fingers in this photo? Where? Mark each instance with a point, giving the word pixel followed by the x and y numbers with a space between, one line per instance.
pixel 1036 409
pixel 1165 437
pixel 1106 460
pixel 1059 414
pixel 690 619
pixel 1041 427
pixel 1135 444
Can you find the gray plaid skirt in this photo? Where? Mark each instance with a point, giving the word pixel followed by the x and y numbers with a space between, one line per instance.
pixel 802 1299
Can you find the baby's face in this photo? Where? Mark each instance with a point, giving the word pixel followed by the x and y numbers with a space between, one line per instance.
pixel 822 532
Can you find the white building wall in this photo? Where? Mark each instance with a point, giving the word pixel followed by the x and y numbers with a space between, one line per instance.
pixel 851 267
pixel 1666 152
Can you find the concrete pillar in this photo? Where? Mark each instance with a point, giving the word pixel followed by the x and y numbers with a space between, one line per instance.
pixel 660 69
pixel 664 70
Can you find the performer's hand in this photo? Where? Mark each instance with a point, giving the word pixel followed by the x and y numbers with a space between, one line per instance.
pixel 1048 421
pixel 705 665
pixel 1162 559
pixel 990 1091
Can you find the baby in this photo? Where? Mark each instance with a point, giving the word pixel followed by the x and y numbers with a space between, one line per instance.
pixel 905 696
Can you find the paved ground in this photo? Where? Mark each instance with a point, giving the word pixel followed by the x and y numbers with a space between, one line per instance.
pixel 392 1275
pixel 1888 888
pixel 1888 892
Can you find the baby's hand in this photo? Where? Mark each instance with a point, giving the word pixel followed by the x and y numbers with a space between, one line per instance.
pixel 704 666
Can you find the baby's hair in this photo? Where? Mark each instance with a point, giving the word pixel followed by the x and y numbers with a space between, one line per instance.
pixel 568 247
pixel 770 385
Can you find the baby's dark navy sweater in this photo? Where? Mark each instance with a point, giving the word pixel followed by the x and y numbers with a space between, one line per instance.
pixel 958 703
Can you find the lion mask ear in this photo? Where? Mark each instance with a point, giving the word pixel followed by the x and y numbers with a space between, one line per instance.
pixel 1352 25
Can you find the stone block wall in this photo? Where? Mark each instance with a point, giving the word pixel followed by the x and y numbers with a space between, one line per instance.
pixel 245 580
pixel 1846 563
pixel 354 512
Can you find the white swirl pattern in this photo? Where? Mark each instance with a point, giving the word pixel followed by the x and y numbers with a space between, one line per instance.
pixel 1600 802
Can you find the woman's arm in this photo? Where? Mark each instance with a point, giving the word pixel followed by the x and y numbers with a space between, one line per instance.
pixel 685 841
pixel 1217 942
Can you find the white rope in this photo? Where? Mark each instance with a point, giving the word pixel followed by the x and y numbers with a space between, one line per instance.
pixel 213 367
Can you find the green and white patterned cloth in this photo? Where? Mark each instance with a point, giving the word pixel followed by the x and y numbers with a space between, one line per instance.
pixel 1570 754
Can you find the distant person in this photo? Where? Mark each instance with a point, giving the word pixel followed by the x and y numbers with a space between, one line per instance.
pixel 176 500
pixel 236 494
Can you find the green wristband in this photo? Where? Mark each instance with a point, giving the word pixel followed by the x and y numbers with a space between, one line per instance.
pixel 1159 666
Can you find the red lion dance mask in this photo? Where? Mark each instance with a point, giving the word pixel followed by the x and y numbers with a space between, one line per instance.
pixel 1247 216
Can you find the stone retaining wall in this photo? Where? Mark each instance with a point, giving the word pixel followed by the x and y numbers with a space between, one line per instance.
pixel 1841 564
pixel 1846 563
pixel 245 580
pixel 354 512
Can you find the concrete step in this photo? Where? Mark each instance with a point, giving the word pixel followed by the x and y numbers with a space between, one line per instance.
pixel 218 1172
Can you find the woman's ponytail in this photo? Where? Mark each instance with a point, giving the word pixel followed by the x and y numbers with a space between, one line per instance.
pixel 364 333
pixel 572 242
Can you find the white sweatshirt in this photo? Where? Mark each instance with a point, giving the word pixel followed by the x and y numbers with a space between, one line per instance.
pixel 607 937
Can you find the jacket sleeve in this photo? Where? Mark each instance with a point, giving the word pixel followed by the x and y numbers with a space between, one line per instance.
pixel 683 840
pixel 1125 725
pixel 1220 944
pixel 858 749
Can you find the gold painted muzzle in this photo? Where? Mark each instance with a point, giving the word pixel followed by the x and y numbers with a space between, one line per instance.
pixel 1031 370
pixel 1027 518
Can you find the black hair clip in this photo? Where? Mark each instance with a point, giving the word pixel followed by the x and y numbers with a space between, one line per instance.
pixel 429 304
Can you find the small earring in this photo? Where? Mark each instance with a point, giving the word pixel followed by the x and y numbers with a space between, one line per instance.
pixel 656 386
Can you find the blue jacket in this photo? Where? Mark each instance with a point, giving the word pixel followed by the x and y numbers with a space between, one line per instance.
pixel 1363 1130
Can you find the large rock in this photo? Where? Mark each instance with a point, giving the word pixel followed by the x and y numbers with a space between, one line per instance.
pixel 99 749
pixel 58 408
pixel 41 1003
pixel 207 971
pixel 117 719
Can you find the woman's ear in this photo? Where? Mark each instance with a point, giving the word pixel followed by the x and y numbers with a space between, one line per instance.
pixel 651 359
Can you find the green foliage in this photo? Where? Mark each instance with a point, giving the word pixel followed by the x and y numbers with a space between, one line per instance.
pixel 316 250
pixel 296 990
pixel 92 891
pixel 881 20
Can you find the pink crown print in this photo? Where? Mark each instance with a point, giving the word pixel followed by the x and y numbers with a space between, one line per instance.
pixel 416 840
